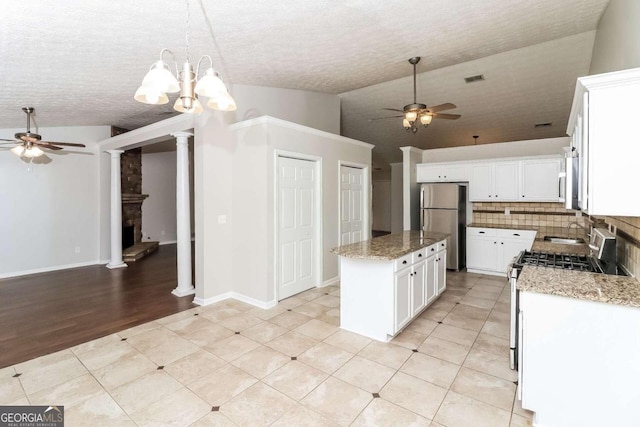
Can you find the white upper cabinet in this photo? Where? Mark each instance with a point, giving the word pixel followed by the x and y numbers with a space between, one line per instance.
pixel 540 180
pixel 603 124
pixel 495 181
pixel 442 172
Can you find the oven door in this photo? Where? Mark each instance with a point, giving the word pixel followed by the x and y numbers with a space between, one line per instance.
pixel 513 330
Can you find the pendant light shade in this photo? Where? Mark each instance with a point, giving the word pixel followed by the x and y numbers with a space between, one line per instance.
pixel 160 78
pixel 148 95
pixel 18 150
pixel 222 102
pixel 194 108
pixel 210 85
pixel 425 119
pixel 411 116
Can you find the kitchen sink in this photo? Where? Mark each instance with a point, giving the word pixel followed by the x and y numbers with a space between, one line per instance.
pixel 564 240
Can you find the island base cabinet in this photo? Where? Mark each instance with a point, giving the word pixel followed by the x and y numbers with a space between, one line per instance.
pixel 579 364
pixel 379 298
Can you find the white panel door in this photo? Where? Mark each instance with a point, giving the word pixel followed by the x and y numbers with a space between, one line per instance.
pixel 351 205
pixel 296 226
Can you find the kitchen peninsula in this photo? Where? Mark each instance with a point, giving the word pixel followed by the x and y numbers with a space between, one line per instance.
pixel 387 281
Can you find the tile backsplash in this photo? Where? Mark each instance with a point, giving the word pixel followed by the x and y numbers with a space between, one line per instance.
pixel 628 241
pixel 531 215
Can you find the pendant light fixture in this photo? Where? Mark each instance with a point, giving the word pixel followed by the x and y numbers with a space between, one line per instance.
pixel 160 81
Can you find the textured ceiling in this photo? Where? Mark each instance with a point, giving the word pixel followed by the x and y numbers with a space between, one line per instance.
pixel 79 62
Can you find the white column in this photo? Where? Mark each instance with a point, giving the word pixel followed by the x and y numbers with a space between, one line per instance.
pixel 116 211
pixel 183 215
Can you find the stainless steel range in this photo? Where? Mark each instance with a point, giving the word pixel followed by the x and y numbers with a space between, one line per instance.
pixel 564 261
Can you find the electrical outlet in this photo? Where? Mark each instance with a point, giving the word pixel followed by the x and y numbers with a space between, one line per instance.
pixel 507 211
pixel 162 233
pixel 578 214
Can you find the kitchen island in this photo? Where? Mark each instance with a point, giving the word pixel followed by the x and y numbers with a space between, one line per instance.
pixel 387 281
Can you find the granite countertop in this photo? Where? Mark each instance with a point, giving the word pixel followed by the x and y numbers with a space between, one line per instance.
pixel 391 246
pixel 620 290
pixel 560 248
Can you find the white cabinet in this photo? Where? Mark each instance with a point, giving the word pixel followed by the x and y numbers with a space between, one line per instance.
pixel 379 298
pixel 579 361
pixel 402 298
pixel 490 250
pixel 495 181
pixel 442 172
pixel 540 180
pixel 603 124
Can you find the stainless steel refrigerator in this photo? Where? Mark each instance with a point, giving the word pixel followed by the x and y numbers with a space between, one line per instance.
pixel 443 208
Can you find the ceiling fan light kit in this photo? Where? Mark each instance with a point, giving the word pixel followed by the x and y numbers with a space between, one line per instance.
pixel 29 143
pixel 417 113
pixel 159 81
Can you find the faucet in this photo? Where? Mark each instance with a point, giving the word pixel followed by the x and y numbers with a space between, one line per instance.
pixel 576 223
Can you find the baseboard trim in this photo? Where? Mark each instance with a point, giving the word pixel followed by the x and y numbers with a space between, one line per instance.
pixel 48 269
pixel 329 282
pixel 265 305
pixel 487 272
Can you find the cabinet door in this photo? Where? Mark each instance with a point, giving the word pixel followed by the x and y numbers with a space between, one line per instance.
pixel 509 248
pixel 418 294
pixel 539 180
pixel 428 173
pixel 431 284
pixel 441 272
pixel 480 185
pixel 481 253
pixel 505 181
pixel 402 299
pixel 454 172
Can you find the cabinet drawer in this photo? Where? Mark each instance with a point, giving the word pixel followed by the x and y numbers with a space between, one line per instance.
pixel 420 255
pixel 403 262
pixel 430 250
pixel 517 234
pixel 482 232
pixel 441 245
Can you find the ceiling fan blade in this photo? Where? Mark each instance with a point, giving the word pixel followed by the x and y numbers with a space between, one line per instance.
pixel 10 140
pixel 384 118
pixel 66 144
pixel 46 144
pixel 442 107
pixel 394 109
pixel 446 116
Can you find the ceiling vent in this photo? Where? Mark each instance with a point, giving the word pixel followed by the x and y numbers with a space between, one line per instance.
pixel 474 79
pixel 543 125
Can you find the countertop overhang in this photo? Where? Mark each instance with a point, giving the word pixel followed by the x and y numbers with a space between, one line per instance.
pixel 607 288
pixel 391 246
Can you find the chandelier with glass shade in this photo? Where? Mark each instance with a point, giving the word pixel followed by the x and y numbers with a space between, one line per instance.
pixel 160 81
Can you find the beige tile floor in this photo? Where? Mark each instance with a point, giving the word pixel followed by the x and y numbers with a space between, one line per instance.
pixel 233 364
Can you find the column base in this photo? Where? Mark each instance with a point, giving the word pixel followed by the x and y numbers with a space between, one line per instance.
pixel 112 266
pixel 183 292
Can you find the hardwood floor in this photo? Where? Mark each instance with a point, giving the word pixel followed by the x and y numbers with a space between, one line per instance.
pixel 47 312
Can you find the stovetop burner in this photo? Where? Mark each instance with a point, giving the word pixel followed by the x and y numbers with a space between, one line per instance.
pixel 564 261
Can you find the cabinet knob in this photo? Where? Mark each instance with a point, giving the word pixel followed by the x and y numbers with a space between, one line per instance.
pixel 441 244
pixel 523 195
pixel 496 195
pixel 502 243
pixel 489 195
pixel 495 243
pixel 419 255
pixel 432 249
pixel 404 262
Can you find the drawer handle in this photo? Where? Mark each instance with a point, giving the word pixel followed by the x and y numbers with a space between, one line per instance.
pixel 404 262
pixel 516 234
pixel 481 232
pixel 432 249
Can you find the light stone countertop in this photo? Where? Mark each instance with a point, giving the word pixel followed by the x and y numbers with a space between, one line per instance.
pixel 391 246
pixel 610 289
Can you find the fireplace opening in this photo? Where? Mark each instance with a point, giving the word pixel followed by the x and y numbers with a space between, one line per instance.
pixel 128 236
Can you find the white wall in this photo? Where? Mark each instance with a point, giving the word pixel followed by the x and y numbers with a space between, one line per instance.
pixel 159 209
pixel 396 197
pixel 534 147
pixel 381 211
pixel 51 212
pixel 313 109
pixel 617 42
pixel 253 197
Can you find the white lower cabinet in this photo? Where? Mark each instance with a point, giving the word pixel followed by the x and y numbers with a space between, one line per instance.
pixel 380 298
pixel 578 361
pixel 490 250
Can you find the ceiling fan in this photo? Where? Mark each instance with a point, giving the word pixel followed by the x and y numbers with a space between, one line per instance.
pixel 416 112
pixel 29 143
